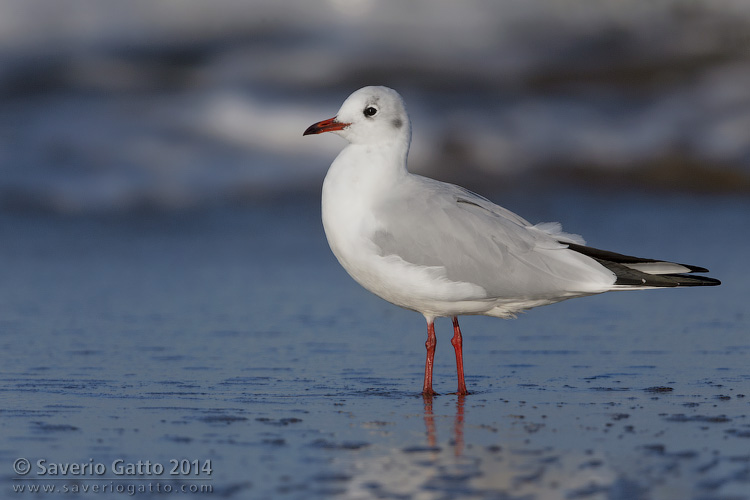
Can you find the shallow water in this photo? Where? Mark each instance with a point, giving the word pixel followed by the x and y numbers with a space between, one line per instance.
pixel 232 335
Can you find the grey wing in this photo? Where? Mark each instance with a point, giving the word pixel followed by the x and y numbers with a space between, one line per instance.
pixel 478 242
pixel 463 195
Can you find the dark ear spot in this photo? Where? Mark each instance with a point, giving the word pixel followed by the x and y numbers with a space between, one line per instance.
pixel 397 122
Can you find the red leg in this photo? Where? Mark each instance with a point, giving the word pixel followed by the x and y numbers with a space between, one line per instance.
pixel 457 342
pixel 430 345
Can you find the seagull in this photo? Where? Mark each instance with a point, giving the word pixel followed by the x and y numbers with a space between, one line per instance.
pixel 444 251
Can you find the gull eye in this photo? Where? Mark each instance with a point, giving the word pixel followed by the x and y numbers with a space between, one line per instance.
pixel 370 111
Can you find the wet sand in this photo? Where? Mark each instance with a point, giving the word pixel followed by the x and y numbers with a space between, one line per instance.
pixel 232 335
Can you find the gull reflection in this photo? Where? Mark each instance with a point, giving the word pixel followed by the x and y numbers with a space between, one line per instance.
pixel 458 423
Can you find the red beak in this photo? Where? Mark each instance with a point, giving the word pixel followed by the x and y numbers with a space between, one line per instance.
pixel 328 125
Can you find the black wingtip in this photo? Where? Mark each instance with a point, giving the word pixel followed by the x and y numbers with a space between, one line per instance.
pixel 696 269
pixel 705 280
pixel 661 280
pixel 627 276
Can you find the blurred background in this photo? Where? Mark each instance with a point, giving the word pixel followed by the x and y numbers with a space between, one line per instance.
pixel 120 106
pixel 166 289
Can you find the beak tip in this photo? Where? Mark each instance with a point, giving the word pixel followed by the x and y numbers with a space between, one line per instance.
pixel 309 131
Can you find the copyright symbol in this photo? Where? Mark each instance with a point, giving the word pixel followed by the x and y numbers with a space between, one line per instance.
pixel 22 466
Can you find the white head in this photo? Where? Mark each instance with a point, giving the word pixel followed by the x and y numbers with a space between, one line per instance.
pixel 371 115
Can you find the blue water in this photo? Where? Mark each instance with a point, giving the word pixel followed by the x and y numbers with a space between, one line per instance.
pixel 231 335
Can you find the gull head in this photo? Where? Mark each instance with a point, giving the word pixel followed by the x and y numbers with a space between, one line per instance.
pixel 371 115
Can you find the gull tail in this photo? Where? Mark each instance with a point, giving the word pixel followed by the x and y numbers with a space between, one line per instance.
pixel 636 273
